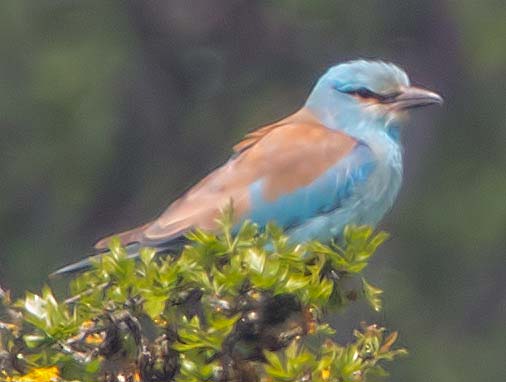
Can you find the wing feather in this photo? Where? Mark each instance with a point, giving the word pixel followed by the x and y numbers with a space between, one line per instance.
pixel 270 164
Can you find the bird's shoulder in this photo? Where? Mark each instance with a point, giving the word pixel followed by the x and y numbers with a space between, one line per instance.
pixel 300 137
pixel 297 149
pixel 292 153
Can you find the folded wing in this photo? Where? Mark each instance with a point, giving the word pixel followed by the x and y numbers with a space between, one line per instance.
pixel 286 172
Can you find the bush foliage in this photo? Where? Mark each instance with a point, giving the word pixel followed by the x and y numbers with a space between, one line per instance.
pixel 236 306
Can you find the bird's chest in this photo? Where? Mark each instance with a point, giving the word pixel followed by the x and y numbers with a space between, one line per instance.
pixel 364 203
pixel 378 193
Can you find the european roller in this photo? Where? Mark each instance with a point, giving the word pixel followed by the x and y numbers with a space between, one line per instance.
pixel 336 161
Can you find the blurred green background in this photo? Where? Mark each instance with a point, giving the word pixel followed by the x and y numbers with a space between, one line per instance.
pixel 110 109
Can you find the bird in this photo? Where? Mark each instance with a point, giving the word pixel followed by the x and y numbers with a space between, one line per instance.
pixel 337 161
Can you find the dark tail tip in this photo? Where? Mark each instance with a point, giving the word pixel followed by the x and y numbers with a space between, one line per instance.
pixel 85 264
pixel 81 265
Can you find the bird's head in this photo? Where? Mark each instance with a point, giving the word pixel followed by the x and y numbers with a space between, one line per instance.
pixel 360 95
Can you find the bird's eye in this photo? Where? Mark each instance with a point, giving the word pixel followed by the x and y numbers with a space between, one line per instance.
pixel 361 93
pixel 364 93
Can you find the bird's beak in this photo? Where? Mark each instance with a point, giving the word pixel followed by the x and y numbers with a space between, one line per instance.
pixel 411 97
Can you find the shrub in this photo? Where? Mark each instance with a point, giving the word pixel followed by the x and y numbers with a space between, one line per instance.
pixel 233 306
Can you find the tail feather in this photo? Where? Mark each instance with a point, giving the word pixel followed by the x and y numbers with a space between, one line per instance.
pixel 132 253
pixel 81 265
pixel 86 263
pixel 129 239
pixel 126 238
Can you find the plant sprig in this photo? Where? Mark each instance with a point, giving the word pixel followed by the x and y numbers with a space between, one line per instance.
pixel 243 304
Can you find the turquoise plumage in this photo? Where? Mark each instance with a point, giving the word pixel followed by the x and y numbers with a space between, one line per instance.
pixel 336 161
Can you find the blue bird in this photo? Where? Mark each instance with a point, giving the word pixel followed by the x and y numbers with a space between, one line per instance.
pixel 336 161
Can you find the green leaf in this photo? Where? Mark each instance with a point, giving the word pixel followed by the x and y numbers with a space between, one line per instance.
pixel 255 260
pixel 146 255
pixel 372 295
pixel 34 340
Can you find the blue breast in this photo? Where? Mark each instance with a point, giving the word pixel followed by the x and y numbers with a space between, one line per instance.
pixel 367 199
pixel 326 194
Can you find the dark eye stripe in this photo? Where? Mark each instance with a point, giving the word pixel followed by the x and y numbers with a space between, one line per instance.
pixel 367 93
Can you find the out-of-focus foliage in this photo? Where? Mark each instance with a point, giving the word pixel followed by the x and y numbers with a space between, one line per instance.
pixel 110 109
pixel 230 307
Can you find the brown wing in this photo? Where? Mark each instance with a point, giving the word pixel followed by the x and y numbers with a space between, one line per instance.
pixel 284 156
pixel 302 116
